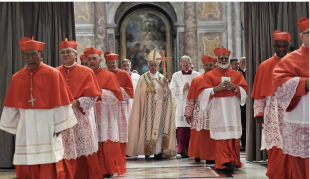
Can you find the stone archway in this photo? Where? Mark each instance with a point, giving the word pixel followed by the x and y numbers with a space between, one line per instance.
pixel 174 13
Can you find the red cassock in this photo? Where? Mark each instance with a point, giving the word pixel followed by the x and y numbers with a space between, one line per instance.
pixel 82 82
pixel 48 88
pixel 125 82
pixel 279 165
pixel 295 64
pixel 200 144
pixel 226 150
pixel 110 155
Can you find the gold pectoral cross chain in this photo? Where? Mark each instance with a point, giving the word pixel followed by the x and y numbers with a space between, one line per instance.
pixel 31 89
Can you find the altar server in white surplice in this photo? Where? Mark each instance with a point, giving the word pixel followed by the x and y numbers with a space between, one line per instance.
pixel 126 66
pixel 179 85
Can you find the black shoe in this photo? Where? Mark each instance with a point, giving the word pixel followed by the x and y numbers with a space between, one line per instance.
pixel 230 167
pixel 158 156
pixel 197 160
pixel 108 176
pixel 147 156
pixel 184 154
pixel 210 162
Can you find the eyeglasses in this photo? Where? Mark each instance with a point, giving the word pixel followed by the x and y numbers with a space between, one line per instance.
pixel 33 55
pixel 112 62
pixel 305 33
pixel 66 52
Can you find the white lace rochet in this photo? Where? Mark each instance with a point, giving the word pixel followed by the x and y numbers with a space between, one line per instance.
pixel 81 139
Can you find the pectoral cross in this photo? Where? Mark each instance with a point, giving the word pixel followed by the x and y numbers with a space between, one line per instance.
pixel 163 59
pixel 32 100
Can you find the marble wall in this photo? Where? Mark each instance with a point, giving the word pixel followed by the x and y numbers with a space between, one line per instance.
pixel 200 27
pixel 90 26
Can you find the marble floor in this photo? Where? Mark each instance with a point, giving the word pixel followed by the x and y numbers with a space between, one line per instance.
pixel 177 168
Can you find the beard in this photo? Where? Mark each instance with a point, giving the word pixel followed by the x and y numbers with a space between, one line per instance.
pixel 223 65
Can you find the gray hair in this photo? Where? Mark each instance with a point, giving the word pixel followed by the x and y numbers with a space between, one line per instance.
pixel 241 59
pixel 70 49
pixel 186 57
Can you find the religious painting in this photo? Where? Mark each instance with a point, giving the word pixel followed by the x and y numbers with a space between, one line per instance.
pixel 142 31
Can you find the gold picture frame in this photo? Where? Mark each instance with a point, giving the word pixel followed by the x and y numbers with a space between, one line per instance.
pixel 151 29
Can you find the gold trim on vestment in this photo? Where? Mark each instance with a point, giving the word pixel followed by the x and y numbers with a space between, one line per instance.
pixel 150 88
pixel 165 142
pixel 148 148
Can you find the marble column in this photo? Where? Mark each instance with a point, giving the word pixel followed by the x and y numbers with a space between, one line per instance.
pixel 238 31
pixel 100 26
pixel 191 31
pixel 229 29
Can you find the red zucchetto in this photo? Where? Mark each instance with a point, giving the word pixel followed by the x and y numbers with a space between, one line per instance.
pixel 30 44
pixel 67 44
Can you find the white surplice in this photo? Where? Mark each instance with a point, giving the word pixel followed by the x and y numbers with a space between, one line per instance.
pixel 82 139
pixel 35 130
pixel 135 78
pixel 225 117
pixel 176 85
pixel 272 132
pixel 106 117
pixel 296 122
pixel 122 110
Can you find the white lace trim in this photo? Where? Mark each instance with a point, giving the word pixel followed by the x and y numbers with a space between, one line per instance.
pixel 108 97
pixel 200 119
pixel 122 110
pixel 87 102
pixel 286 92
pixel 272 132
pixel 125 95
pixel 188 112
pixel 106 117
pixel 81 139
pixel 259 105
pixel 296 140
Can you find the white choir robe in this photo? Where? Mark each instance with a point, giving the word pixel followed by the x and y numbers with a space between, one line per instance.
pixel 296 122
pixel 122 110
pixel 35 131
pixel 82 139
pixel 106 117
pixel 176 85
pixel 225 118
pixel 135 78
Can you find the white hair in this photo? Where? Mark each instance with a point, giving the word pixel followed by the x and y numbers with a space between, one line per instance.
pixel 241 59
pixel 186 57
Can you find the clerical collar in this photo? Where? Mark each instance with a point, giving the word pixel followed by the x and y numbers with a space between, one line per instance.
pixel 70 65
pixel 98 70
pixel 189 72
pixel 154 75
pixel 276 57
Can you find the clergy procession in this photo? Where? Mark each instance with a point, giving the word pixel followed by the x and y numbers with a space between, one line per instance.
pixel 81 121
